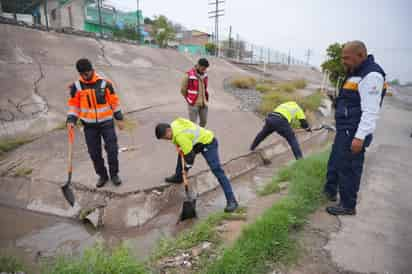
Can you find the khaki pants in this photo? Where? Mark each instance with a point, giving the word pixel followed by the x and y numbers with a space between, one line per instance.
pixel 195 112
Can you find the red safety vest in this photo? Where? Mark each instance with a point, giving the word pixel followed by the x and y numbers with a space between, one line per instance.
pixel 193 87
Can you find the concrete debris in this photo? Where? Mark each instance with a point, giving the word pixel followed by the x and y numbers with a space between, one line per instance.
pixel 157 192
pixel 93 216
pixel 222 228
pixel 126 149
pixel 283 185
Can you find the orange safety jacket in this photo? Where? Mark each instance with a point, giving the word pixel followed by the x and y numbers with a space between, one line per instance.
pixel 93 101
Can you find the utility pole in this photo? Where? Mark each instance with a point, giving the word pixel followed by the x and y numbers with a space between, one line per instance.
pixel 138 22
pixel 99 10
pixel 289 58
pixel 46 17
pixel 216 13
pixel 231 54
pixel 238 47
pixel 308 55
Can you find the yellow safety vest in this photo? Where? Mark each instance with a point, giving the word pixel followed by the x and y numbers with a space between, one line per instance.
pixel 291 111
pixel 187 134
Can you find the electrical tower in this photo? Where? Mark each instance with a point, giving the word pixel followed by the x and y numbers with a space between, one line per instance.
pixel 216 13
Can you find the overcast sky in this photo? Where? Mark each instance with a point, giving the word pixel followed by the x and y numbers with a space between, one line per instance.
pixel 385 26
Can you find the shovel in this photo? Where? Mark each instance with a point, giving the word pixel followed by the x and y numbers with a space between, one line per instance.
pixel 67 191
pixel 189 204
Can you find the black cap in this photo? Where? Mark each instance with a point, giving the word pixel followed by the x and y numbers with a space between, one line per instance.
pixel 84 65
pixel 203 62
pixel 160 130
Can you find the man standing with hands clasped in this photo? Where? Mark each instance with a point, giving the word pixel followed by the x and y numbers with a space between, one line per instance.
pixel 357 110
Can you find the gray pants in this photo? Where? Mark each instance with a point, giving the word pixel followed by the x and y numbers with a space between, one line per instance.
pixel 201 112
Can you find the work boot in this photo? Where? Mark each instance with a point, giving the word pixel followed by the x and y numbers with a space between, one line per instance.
pixel 330 197
pixel 116 180
pixel 231 206
pixel 340 210
pixel 102 181
pixel 174 179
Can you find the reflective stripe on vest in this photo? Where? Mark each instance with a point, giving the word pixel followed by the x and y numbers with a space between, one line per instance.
pixel 99 110
pixel 195 132
pixel 78 85
pixel 352 83
pixel 193 92
pixel 88 120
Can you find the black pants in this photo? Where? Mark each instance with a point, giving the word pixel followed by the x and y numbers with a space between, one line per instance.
pixel 275 122
pixel 345 168
pixel 94 135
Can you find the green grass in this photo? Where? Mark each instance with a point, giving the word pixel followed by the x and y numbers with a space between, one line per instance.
pixel 23 171
pixel 264 87
pixel 246 82
pixel 299 83
pixel 97 260
pixel 201 232
pixel 272 99
pixel 269 239
pixel 311 102
pixel 7 145
pixel 9 264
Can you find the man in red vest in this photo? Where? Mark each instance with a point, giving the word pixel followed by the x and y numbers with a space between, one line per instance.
pixel 194 90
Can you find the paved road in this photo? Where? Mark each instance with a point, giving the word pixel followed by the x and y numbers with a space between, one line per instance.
pixel 379 238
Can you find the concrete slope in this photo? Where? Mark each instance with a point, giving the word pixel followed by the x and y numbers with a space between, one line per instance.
pixel 37 67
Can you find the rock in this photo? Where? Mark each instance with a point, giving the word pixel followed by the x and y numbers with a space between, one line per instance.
pixel 206 245
pixel 93 216
pixel 283 185
pixel 221 228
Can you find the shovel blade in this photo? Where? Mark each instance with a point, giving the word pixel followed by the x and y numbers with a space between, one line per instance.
pixel 188 210
pixel 68 194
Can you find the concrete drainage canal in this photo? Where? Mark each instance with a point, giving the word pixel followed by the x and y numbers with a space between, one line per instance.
pixel 137 219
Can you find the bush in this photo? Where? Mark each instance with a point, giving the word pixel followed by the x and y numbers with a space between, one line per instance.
pixel 244 82
pixel 263 87
pixel 286 87
pixel 299 84
pixel 311 102
pixel 272 99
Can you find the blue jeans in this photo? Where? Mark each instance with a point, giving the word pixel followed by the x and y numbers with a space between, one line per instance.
pixel 211 155
pixel 345 168
pixel 275 122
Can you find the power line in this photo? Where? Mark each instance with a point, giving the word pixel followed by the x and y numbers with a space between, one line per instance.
pixel 216 14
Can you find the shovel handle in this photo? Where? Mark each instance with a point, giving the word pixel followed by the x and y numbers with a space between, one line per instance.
pixel 70 150
pixel 184 174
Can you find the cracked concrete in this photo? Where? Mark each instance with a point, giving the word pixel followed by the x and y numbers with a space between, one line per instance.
pixel 148 82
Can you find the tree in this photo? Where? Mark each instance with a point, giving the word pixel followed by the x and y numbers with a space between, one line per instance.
pixel 334 64
pixel 394 82
pixel 148 21
pixel 210 48
pixel 127 32
pixel 162 30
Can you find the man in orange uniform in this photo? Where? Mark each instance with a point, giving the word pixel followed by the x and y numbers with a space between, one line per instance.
pixel 94 102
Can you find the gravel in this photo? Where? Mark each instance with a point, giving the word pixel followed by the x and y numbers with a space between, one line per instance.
pixel 249 99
